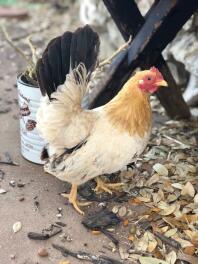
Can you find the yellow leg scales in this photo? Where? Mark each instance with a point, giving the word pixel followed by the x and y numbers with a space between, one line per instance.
pixel 72 196
pixel 106 187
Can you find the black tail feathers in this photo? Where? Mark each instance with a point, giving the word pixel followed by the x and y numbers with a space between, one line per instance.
pixel 64 53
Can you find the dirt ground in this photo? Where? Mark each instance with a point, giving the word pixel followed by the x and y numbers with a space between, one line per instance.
pixel 37 184
pixel 35 204
pixel 46 189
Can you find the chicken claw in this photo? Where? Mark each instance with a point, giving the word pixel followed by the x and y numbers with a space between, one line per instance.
pixel 107 187
pixel 72 196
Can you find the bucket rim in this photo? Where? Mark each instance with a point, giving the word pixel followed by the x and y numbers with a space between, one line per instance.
pixel 19 80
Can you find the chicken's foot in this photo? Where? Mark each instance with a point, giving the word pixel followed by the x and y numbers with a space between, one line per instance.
pixel 106 187
pixel 72 196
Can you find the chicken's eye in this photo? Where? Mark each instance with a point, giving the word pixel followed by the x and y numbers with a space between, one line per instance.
pixel 149 78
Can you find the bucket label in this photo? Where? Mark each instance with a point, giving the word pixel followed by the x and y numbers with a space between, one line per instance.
pixel 31 142
pixel 30 124
pixel 25 98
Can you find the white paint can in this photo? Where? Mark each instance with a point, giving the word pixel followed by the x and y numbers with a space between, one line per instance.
pixel 31 142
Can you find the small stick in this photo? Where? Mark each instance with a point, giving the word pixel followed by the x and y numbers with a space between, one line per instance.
pixel 33 49
pixel 40 236
pixel 176 141
pixel 9 163
pixel 169 155
pixel 17 49
pixel 8 160
pixel 169 241
pixel 108 60
pixel 86 256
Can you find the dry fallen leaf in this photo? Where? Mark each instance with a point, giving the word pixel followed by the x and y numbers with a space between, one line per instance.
pixel 171 257
pixel 157 197
pixel 188 218
pixel 184 243
pixel 191 168
pixel 164 229
pixel 131 238
pixel 190 233
pixel 171 232
pixel 152 242
pixel 150 260
pixel 189 250
pixel 17 227
pixel 196 198
pixel 193 235
pixel 144 199
pixel 167 210
pixel 141 244
pixel 188 258
pixel 167 187
pixel 125 222
pixel 151 246
pixel 171 198
pixel 163 205
pixel 64 262
pixel 175 223
pixel 135 201
pixel 122 211
pixel 188 189
pixel 158 254
pixel 160 169
pixel 134 257
pixel 115 209
pixel 123 254
pixel 153 179
pixel 177 185
pixel 146 243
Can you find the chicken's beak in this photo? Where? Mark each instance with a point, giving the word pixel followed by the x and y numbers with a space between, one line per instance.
pixel 162 83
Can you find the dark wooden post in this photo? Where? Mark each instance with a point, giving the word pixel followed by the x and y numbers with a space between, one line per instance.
pixel 163 21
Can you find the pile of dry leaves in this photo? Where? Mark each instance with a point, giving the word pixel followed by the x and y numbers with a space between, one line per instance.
pixel 165 184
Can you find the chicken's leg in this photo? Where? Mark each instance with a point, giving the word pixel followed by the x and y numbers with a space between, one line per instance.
pixel 72 196
pixel 106 187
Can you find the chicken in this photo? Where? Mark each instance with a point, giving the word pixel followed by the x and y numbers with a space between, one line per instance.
pixel 84 144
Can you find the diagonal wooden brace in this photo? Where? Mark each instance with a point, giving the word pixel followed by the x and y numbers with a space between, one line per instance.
pixel 163 21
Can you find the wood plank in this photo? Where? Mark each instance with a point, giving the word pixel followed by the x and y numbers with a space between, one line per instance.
pixel 157 19
pixel 126 16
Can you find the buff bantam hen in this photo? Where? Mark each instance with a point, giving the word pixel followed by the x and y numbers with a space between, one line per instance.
pixel 84 144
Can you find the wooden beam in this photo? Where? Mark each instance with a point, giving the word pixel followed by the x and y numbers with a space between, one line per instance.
pixel 164 19
pixel 126 16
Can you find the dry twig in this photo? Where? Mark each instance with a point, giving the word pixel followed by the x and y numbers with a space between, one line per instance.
pixel 167 240
pixel 86 256
pixel 17 49
pixel 123 47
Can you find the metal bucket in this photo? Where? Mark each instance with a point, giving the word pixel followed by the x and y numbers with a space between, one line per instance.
pixel 31 143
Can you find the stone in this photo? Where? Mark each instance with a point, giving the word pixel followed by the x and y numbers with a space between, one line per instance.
pixel 42 252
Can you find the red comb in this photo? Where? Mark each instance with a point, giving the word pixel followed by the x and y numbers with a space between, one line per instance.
pixel 158 73
pixel 153 69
